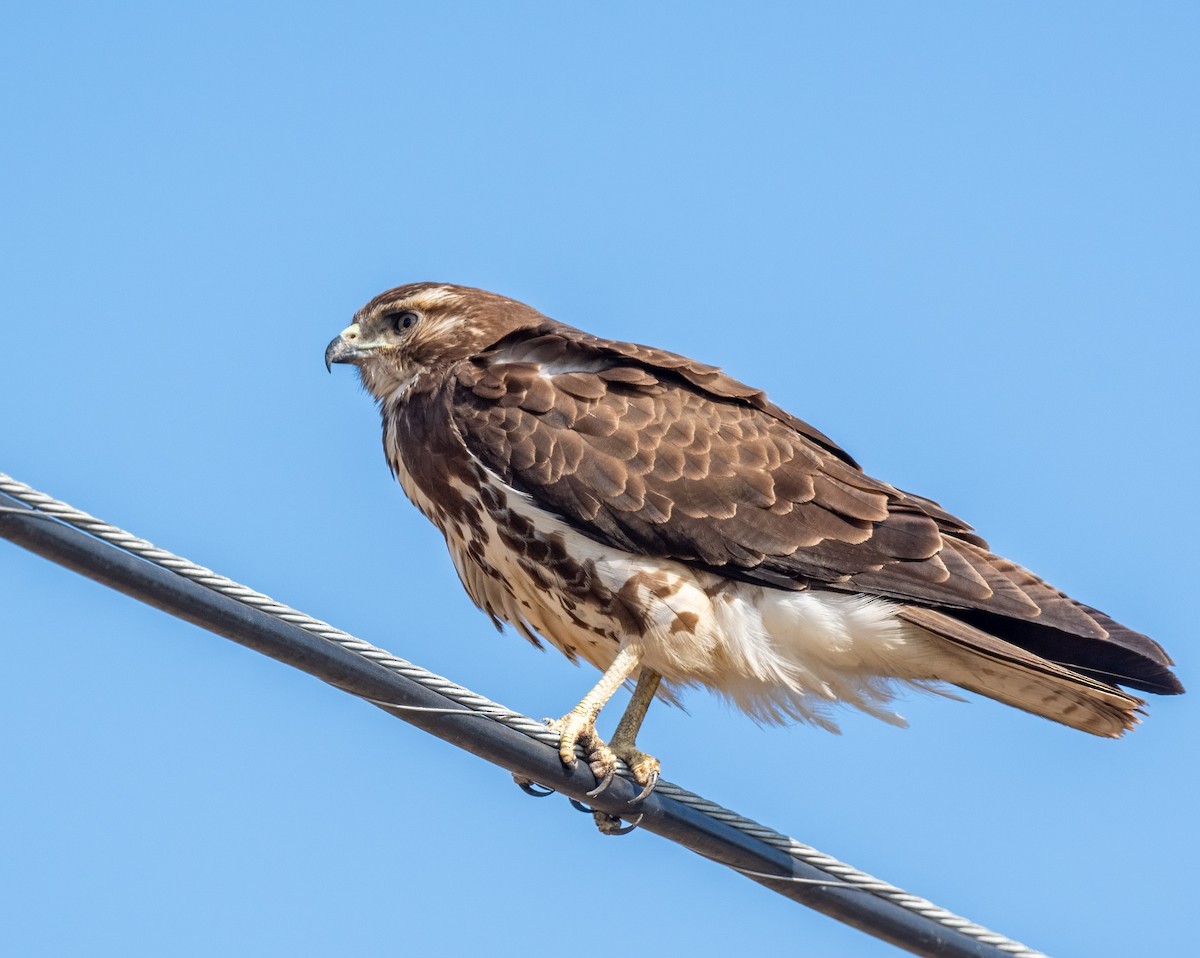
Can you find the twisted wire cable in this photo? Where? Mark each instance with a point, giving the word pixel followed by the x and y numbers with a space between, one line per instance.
pixel 841 874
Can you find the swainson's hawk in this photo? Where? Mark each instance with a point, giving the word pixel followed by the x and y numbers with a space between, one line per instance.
pixel 663 521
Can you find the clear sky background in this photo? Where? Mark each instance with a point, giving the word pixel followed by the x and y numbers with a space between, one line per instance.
pixel 959 238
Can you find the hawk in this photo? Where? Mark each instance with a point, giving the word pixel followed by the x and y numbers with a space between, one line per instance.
pixel 666 523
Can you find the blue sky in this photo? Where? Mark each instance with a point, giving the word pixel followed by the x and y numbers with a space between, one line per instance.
pixel 959 239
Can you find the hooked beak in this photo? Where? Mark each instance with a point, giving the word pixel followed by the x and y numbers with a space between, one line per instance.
pixel 347 347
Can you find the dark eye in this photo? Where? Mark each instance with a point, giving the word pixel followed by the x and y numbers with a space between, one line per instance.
pixel 403 321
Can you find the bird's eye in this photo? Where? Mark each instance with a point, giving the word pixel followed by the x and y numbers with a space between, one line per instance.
pixel 403 321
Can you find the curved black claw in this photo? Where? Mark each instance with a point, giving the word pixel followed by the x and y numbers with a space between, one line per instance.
pixel 611 824
pixel 603 786
pixel 606 823
pixel 530 787
pixel 645 792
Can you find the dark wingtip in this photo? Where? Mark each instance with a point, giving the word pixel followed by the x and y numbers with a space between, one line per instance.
pixel 1159 681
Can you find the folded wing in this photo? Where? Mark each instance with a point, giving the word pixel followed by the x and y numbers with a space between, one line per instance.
pixel 655 454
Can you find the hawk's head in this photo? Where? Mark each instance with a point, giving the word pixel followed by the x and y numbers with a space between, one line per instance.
pixel 423 328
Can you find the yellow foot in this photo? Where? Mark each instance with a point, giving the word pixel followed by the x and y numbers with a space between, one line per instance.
pixel 575 729
pixel 645 768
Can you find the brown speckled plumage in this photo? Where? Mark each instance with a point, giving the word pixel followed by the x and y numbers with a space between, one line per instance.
pixel 503 424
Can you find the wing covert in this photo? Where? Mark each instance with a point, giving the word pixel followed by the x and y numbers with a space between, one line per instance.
pixel 646 459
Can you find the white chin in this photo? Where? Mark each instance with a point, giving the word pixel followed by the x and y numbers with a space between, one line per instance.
pixel 385 382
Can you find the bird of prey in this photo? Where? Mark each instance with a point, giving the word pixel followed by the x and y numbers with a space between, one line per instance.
pixel 667 523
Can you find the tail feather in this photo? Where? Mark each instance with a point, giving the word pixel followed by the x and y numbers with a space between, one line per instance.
pixel 1000 670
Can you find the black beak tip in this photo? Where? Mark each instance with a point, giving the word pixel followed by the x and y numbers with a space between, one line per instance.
pixel 331 353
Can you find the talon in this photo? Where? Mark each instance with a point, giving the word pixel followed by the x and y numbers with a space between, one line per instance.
pixel 611 824
pixel 604 782
pixel 644 768
pixel 530 787
pixel 647 789
pixel 606 823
